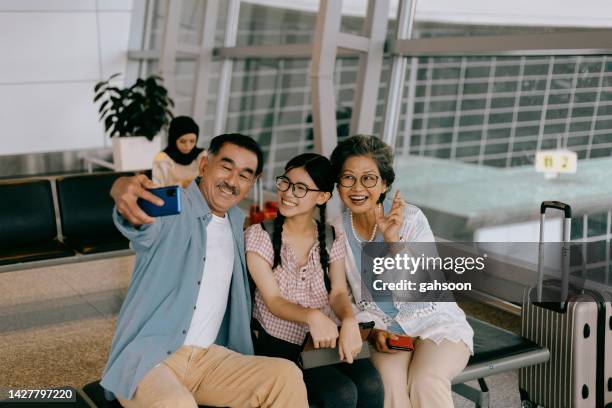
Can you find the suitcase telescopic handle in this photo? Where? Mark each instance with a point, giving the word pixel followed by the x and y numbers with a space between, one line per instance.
pixel 558 205
pixel 565 251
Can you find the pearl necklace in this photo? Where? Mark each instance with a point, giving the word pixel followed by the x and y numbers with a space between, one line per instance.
pixel 355 232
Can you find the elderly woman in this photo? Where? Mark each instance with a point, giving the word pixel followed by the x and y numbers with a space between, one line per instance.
pixel 444 339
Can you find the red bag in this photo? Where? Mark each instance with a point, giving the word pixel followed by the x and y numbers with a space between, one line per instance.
pixel 259 211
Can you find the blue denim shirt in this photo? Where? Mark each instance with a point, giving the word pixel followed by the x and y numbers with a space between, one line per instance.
pixel 157 311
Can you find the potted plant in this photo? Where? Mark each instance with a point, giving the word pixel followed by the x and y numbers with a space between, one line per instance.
pixel 133 117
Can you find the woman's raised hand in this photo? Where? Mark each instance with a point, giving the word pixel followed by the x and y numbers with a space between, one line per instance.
pixel 350 340
pixel 391 224
pixel 323 330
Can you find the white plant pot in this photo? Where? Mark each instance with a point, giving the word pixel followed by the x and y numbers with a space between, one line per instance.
pixel 135 153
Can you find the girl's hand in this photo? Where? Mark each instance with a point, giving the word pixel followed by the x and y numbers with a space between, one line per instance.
pixel 379 340
pixel 323 330
pixel 391 224
pixel 350 340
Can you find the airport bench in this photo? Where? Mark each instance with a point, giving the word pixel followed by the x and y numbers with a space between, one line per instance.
pixel 85 213
pixel 50 221
pixel 495 351
pixel 96 393
pixel 28 229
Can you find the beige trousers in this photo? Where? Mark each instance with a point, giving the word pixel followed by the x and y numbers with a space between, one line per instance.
pixel 220 377
pixel 421 378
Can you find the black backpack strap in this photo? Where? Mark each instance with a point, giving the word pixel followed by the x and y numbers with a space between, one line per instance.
pixel 268 226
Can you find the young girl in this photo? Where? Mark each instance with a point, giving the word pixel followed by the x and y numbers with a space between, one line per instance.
pixel 178 163
pixel 292 298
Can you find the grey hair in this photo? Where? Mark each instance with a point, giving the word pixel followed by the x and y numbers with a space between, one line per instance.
pixel 370 146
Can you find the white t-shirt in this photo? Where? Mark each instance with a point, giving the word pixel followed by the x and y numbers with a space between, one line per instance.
pixel 216 279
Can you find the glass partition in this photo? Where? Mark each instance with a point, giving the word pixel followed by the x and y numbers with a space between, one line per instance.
pixel 498 111
pixel 466 144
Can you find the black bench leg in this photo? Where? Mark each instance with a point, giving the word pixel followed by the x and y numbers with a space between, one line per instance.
pixel 480 397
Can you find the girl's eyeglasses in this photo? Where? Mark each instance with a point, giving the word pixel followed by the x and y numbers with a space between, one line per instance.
pixel 299 189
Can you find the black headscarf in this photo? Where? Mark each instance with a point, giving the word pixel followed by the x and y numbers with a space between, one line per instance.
pixel 179 126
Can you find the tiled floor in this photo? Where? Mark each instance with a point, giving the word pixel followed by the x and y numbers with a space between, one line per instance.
pixel 57 323
pixel 503 392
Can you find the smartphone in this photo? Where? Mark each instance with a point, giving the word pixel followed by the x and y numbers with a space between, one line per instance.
pixel 404 343
pixel 172 202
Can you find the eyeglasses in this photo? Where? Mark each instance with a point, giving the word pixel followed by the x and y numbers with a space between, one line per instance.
pixel 367 180
pixel 299 189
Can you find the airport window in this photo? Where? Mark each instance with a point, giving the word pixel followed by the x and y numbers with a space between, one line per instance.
pixel 591 247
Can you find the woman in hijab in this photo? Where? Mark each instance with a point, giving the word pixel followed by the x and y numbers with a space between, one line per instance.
pixel 178 163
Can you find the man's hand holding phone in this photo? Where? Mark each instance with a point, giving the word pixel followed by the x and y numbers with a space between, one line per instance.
pixel 127 190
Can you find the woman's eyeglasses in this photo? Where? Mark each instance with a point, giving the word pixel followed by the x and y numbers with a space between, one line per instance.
pixel 299 189
pixel 367 180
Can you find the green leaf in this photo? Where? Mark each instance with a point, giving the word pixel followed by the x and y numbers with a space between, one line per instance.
pixel 100 85
pixel 98 96
pixel 103 105
pixel 114 89
pixel 108 122
pixel 103 114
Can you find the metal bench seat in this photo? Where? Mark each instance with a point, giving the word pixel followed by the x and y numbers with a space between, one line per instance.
pixel 495 351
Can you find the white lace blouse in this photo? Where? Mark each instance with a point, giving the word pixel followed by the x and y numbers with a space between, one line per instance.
pixel 436 321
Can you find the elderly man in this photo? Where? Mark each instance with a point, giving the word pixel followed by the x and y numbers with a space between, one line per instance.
pixel 183 332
